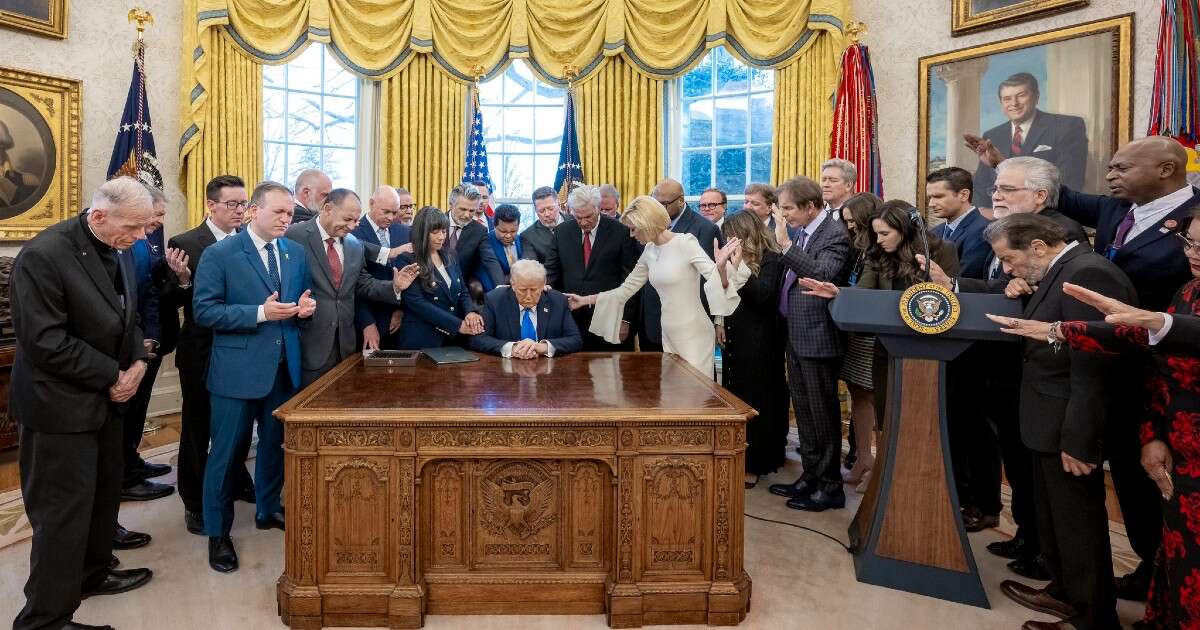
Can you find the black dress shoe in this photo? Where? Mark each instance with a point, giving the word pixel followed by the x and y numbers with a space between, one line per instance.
pixel 114 562
pixel 801 487
pixel 221 556
pixel 150 471
pixel 1011 549
pixel 146 491
pixel 246 494
pixel 1134 586
pixel 274 520
pixel 820 500
pixel 194 521
pixel 119 581
pixel 978 521
pixel 124 539
pixel 72 625
pixel 1031 567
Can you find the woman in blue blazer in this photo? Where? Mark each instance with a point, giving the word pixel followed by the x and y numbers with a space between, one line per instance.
pixel 437 308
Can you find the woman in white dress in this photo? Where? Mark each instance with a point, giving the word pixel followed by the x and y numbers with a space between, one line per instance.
pixel 674 264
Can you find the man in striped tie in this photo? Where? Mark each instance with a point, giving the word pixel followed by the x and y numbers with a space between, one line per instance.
pixel 524 320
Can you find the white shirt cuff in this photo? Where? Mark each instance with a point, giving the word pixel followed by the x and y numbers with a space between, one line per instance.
pixel 506 350
pixel 549 348
pixel 262 314
pixel 1162 332
pixel 382 258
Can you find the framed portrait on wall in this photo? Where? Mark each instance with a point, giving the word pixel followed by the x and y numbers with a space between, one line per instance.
pixel 44 17
pixel 1064 96
pixel 968 16
pixel 39 152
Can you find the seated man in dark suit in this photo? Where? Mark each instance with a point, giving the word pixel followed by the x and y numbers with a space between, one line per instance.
pixel 524 321
pixel 384 236
pixel 504 241
pixel 1056 138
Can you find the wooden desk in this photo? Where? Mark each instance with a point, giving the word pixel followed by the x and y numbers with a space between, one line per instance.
pixel 590 483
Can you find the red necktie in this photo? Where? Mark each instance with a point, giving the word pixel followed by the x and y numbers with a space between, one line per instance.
pixel 587 246
pixel 1017 140
pixel 335 263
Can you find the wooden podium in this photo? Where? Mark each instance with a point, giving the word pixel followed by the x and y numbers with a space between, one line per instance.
pixel 590 483
pixel 908 532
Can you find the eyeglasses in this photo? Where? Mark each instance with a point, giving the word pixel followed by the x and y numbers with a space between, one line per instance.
pixel 1008 190
pixel 405 206
pixel 1188 244
pixel 232 205
pixel 710 206
pixel 668 203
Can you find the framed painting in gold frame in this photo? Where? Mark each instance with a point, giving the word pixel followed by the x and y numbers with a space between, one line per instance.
pixel 44 17
pixel 1069 89
pixel 968 16
pixel 39 152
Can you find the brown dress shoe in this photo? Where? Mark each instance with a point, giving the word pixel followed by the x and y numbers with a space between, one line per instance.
pixel 1037 599
pixel 1047 625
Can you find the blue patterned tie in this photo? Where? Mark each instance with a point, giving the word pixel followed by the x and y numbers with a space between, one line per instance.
pixel 273 267
pixel 528 330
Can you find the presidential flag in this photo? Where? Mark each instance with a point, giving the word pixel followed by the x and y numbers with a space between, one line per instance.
pixel 476 167
pixel 570 168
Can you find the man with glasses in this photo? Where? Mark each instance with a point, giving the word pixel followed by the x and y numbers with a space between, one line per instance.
pixel 225 202
pixel 383 238
pixel 713 203
pixel 1029 185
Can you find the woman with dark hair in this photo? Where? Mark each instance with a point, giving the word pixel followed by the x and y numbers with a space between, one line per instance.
pixel 858 212
pixel 752 341
pixel 437 307
pixel 1170 432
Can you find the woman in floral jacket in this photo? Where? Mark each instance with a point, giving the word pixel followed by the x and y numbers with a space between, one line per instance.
pixel 1170 432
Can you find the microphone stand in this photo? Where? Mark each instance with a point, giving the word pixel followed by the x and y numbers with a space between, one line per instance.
pixel 915 216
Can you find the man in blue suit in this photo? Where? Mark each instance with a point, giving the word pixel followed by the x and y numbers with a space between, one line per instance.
pixel 948 193
pixel 381 230
pixel 504 241
pixel 250 290
pixel 524 321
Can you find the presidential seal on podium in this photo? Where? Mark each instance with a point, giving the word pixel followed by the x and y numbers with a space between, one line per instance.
pixel 929 308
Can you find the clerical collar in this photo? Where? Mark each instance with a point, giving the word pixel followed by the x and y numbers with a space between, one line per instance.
pixel 100 245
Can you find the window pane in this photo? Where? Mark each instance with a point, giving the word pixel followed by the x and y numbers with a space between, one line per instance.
pixel 518 171
pixel 762 79
pixel 697 124
pixel 761 112
pixel 697 171
pixel 518 129
pixel 340 117
pixel 273 115
pixel 304 118
pixel 274 76
pixel 760 164
pixel 523 124
pixel 732 75
pixel 731 169
pixel 545 169
pixel 496 170
pixel 339 165
pixel 731 120
pixel 304 72
pixel 275 161
pixel 698 82
pixel 550 125
pixel 300 158
pixel 519 85
pixel 338 80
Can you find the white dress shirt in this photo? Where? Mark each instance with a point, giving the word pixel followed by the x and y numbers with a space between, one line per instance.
pixel 217 232
pixel 506 349
pixel 260 246
pixel 385 241
pixel 1146 215
pixel 1024 127
pixel 337 245
pixel 812 228
pixel 591 236
pixel 1060 254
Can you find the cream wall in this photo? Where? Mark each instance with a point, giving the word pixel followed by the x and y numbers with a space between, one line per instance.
pixel 899 32
pixel 98 52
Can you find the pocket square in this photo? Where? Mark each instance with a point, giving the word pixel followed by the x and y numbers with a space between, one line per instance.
pixel 1042 147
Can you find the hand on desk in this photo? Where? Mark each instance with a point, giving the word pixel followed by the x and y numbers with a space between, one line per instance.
pixel 471 325
pixel 529 349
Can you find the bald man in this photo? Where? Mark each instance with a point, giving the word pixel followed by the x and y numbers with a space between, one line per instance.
pixel 312 186
pixel 684 220
pixel 384 236
pixel 15 186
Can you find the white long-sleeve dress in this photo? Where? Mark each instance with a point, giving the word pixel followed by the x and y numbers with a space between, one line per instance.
pixel 675 270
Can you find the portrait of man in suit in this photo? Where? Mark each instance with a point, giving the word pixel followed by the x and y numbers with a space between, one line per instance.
pixel 23 154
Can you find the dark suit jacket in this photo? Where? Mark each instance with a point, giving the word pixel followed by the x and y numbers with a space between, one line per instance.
pixel 398 234
pixel 475 256
pixel 614 255
pixel 974 252
pixel 433 317
pixel 1066 396
pixel 689 222
pixel 73 332
pixel 1066 137
pixel 1153 260
pixel 811 332
pixel 985 284
pixel 502 322
pixel 301 214
pixel 537 240
pixel 195 342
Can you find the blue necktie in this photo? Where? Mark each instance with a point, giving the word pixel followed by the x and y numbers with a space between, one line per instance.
pixel 273 267
pixel 528 330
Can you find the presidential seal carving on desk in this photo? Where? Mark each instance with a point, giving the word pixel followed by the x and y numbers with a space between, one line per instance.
pixel 517 504
pixel 929 308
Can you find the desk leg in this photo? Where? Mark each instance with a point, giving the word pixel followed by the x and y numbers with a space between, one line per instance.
pixel 624 597
pixel 297 594
pixel 406 605
pixel 729 595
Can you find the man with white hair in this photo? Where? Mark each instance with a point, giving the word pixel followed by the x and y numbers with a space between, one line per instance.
pixel 610 201
pixel 838 178
pixel 590 254
pixel 79 356
pixel 312 186
pixel 524 320
pixel 15 186
pixel 384 237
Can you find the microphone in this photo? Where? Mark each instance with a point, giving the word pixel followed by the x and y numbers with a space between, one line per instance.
pixel 915 216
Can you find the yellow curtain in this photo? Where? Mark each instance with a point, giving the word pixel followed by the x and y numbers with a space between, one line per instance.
pixel 619 113
pixel 804 109
pixel 222 118
pixel 422 131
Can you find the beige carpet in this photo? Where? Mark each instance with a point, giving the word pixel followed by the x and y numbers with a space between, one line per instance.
pixel 801 580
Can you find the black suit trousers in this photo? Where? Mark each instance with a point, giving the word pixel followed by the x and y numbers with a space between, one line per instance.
pixel 193 441
pixel 134 422
pixel 974 445
pixel 1002 406
pixel 1073 525
pixel 814 390
pixel 71 484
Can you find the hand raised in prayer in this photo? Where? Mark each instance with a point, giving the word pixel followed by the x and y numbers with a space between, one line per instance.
pixel 274 310
pixel 576 302
pixel 987 152
pixel 177 261
pixel 1032 329
pixel 827 290
pixel 1115 311
pixel 403 278
pixel 307 304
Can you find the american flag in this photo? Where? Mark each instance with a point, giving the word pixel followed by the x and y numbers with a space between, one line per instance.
pixel 570 168
pixel 476 167
pixel 133 153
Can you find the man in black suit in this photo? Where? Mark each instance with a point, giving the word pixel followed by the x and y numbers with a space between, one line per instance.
pixel 538 238
pixel 524 320
pixel 225 203
pixel 79 357
pixel 312 186
pixel 839 178
pixel 468 239
pixel 815 346
pixel 1056 138
pixel 1066 398
pixel 380 230
pixel 684 220
pixel 590 254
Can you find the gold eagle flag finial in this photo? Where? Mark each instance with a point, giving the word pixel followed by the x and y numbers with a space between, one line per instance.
pixel 142 17
pixel 570 73
pixel 855 31
pixel 477 72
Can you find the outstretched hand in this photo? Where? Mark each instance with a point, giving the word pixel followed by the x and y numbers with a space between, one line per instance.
pixel 827 290
pixel 987 152
pixel 576 302
pixel 1115 311
pixel 733 247
pixel 1032 329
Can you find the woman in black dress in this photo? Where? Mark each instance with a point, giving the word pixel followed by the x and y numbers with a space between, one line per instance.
pixel 752 341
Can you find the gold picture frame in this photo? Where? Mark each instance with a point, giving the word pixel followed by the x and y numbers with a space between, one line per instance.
pixel 52 22
pixel 967 16
pixel 1083 85
pixel 40 161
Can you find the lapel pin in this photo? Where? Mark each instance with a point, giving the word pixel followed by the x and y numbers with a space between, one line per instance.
pixel 545 309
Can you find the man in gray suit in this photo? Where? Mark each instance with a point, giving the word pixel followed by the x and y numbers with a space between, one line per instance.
pixel 341 285
pixel 538 239
pixel 814 347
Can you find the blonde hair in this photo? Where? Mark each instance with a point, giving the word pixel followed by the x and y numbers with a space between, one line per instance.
pixel 646 215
